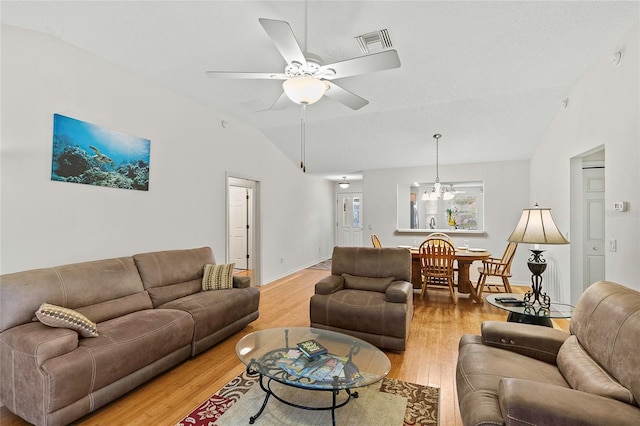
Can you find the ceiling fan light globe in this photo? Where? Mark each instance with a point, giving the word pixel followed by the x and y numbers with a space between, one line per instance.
pixel 305 89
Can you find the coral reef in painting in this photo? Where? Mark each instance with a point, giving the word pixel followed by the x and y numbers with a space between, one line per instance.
pixel 71 163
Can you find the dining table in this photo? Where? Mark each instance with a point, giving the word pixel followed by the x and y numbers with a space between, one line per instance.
pixel 464 258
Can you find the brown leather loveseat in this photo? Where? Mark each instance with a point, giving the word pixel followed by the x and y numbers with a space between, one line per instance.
pixel 368 295
pixel 151 314
pixel 520 374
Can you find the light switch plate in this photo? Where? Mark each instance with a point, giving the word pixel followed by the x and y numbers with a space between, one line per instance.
pixel 613 244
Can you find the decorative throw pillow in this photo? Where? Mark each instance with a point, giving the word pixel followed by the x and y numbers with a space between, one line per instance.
pixel 217 277
pixel 57 316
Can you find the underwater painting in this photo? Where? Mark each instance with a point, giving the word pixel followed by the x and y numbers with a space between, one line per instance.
pixel 90 154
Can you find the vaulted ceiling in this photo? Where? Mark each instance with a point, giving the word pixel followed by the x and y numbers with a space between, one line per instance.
pixel 488 76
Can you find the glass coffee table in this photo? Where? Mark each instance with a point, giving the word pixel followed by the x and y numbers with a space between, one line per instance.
pixel 348 363
pixel 536 314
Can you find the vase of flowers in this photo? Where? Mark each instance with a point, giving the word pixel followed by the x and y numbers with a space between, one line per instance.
pixel 451 218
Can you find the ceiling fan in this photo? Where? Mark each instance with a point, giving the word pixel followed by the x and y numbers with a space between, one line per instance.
pixel 306 78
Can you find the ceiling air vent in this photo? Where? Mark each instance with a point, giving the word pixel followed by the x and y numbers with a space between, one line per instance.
pixel 374 41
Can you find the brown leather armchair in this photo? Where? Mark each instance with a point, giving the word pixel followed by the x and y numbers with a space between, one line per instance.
pixel 368 295
pixel 521 374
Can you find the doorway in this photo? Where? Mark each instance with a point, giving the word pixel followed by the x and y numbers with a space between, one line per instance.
pixel 349 214
pixel 587 221
pixel 242 226
pixel 593 227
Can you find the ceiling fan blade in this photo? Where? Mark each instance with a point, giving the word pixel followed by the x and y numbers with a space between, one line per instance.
pixel 345 97
pixel 361 65
pixel 281 103
pixel 247 75
pixel 284 39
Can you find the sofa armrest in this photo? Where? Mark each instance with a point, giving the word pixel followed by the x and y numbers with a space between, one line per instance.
pixel 534 341
pixel 399 292
pixel 241 281
pixel 38 341
pixel 329 284
pixel 524 402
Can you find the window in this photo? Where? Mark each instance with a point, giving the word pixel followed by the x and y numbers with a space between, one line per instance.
pixel 418 209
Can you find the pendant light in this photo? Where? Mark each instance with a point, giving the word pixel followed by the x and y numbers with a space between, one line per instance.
pixel 438 191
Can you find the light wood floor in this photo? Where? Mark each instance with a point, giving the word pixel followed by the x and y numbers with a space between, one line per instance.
pixel 430 358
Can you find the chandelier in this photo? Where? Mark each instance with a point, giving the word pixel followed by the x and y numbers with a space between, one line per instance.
pixel 438 191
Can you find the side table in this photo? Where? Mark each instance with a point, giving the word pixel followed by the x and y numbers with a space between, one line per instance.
pixel 535 314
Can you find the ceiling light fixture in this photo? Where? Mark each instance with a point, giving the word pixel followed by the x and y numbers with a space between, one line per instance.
pixel 344 184
pixel 305 89
pixel 438 191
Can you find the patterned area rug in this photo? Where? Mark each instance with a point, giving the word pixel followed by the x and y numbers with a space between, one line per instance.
pixel 389 402
pixel 325 265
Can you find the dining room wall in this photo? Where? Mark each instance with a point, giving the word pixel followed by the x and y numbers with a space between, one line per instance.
pixel 506 193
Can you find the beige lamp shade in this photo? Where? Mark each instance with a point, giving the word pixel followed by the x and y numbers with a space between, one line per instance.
pixel 305 89
pixel 536 226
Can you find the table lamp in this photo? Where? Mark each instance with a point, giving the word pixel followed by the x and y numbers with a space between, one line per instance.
pixel 536 226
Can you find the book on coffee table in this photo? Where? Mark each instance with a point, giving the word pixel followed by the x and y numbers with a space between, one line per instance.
pixel 311 348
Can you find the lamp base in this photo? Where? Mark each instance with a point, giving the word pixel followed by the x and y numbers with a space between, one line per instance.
pixel 537 266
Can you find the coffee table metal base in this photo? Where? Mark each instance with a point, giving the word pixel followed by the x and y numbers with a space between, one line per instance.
pixel 269 392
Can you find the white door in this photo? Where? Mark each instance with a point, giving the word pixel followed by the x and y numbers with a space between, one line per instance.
pixel 349 231
pixel 593 249
pixel 239 227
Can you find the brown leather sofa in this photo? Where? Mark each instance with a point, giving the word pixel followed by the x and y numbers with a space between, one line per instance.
pixel 520 374
pixel 368 295
pixel 151 315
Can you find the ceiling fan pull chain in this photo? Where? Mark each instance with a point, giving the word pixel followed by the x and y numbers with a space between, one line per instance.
pixel 303 108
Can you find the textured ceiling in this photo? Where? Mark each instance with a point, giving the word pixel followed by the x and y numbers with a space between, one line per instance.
pixel 488 76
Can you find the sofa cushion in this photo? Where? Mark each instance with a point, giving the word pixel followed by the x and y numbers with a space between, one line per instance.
pixel 214 310
pixel 171 274
pixel 72 286
pixel 114 308
pixel 57 316
pixel 217 277
pixel 360 311
pixel 133 341
pixel 584 374
pixel 372 262
pixel 366 283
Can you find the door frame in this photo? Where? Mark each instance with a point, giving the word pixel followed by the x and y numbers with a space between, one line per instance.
pixel 577 217
pixel 254 242
pixel 339 194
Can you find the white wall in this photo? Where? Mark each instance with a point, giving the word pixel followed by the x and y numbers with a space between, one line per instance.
pixel 603 110
pixel 46 223
pixel 506 193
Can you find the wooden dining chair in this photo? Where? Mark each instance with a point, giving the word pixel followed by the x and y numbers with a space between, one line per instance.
pixel 439 235
pixel 376 241
pixel 437 257
pixel 494 267
pixel 442 236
